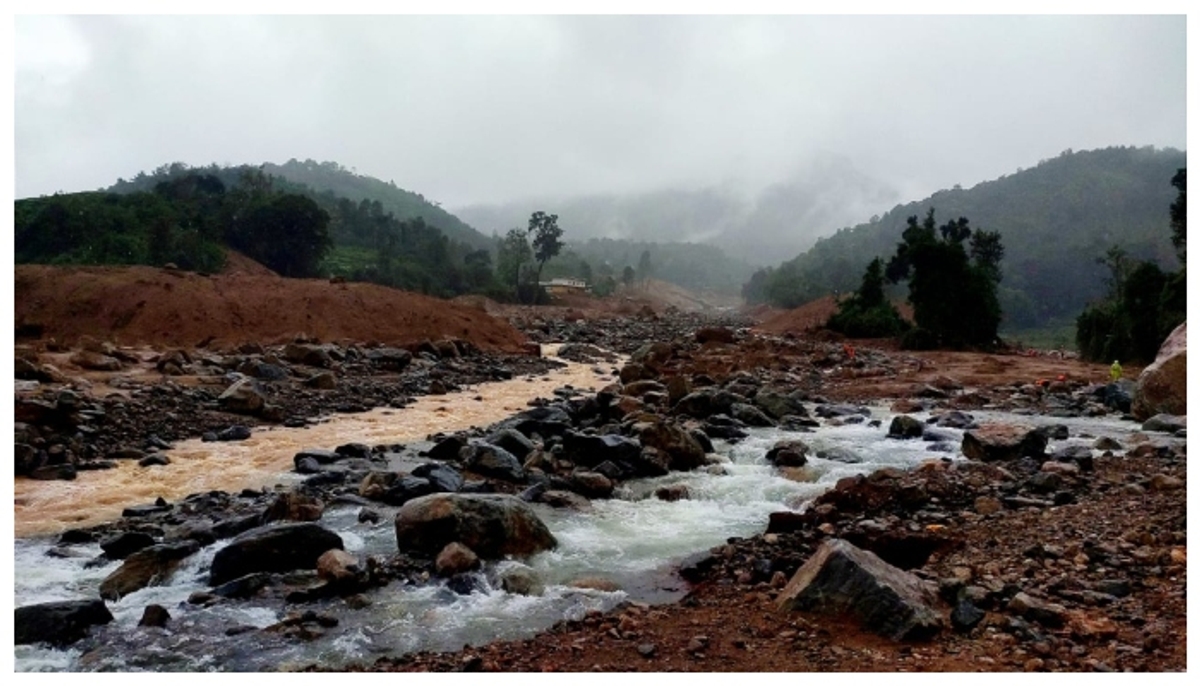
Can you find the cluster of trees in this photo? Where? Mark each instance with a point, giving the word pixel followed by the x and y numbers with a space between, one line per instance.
pixel 521 264
pixel 1144 303
pixel 1055 218
pixel 184 220
pixel 952 274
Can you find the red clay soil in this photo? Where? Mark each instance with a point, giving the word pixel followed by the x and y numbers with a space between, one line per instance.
pixel 811 315
pixel 167 307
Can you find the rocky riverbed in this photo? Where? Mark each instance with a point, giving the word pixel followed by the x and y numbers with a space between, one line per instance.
pixel 1040 545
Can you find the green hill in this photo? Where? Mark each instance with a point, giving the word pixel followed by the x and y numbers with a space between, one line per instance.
pixel 1055 219
pixel 344 183
pixel 314 178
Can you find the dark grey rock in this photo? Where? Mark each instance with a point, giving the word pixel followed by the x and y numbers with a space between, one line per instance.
pixel 275 548
pixel 58 623
pixel 842 579
pixel 903 426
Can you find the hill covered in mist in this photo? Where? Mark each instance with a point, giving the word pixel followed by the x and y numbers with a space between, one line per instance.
pixel 1055 219
pixel 756 227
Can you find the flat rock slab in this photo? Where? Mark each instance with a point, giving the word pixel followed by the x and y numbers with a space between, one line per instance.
pixel 842 579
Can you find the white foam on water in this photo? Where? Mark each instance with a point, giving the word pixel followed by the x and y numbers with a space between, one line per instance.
pixel 632 540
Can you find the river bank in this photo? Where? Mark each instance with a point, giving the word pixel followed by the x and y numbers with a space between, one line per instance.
pixel 1120 524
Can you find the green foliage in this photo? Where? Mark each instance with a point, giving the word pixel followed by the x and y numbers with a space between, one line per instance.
pixel 1133 322
pixel 1179 215
pixel 384 226
pixel 953 295
pixel 403 205
pixel 628 275
pixel 287 233
pixel 867 313
pixel 1144 303
pixel 547 238
pixel 149 228
pixel 645 268
pixel 1056 218
pixel 511 254
pixel 546 235
pixel 919 339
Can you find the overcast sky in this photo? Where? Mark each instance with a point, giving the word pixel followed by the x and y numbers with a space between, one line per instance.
pixel 469 109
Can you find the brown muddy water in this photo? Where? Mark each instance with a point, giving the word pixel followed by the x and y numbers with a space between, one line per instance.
pixel 48 507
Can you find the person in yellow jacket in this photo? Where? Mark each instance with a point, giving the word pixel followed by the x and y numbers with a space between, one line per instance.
pixel 1115 371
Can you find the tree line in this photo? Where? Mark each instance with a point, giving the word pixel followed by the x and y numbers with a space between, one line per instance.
pixel 1143 302
pixel 184 220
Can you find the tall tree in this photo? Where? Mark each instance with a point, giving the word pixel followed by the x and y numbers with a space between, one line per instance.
pixel 867 313
pixel 953 297
pixel 645 268
pixel 1179 216
pixel 512 252
pixel 628 276
pixel 547 239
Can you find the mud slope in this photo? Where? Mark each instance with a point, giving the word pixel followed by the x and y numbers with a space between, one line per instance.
pixel 152 306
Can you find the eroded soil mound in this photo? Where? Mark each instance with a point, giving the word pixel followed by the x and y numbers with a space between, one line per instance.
pixel 162 307
pixel 813 315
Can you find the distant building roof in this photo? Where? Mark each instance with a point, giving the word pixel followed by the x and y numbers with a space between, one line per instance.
pixel 564 283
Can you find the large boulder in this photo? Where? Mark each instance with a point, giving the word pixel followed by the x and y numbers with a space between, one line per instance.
pixel 513 441
pixel 777 405
pixel 588 451
pixel 788 453
pixel 243 397
pixel 750 415
pixel 1162 387
pixel 59 623
pixel 308 354
pixel 683 452
pixel 1003 442
pixel 494 461
pixel 545 421
pixel 699 404
pixel 390 358
pixel 89 359
pixel 842 579
pixel 491 525
pixel 442 478
pixel 904 426
pixel 1164 422
pixel 150 566
pixel 280 548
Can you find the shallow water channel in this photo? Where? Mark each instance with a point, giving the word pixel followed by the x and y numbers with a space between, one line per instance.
pixel 633 540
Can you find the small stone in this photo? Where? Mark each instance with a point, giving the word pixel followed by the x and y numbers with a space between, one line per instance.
pixel 155 615
pixel 647 650
pixel 1165 482
pixel 986 505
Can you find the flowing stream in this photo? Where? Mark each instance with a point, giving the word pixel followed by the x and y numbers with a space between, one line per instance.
pixel 633 540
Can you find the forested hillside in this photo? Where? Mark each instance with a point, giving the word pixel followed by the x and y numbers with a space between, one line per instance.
pixel 344 183
pixel 319 177
pixel 1056 221
pixel 183 214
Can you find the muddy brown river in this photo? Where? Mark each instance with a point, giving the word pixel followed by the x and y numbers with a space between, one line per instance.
pixel 48 507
